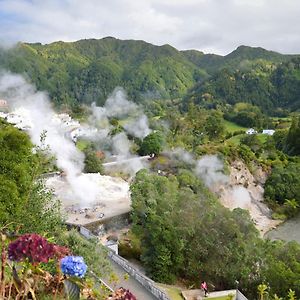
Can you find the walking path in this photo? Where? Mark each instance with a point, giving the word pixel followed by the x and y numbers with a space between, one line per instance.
pixel 131 284
pixel 221 294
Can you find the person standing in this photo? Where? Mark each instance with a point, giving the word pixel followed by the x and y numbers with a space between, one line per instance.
pixel 204 288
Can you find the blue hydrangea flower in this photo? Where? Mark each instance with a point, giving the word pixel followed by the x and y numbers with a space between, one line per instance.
pixel 73 266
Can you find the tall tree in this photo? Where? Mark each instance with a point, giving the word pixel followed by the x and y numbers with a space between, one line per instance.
pixel 293 137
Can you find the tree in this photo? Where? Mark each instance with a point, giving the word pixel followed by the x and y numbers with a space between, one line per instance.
pixel 92 163
pixel 280 267
pixel 153 216
pixel 152 143
pixel 186 232
pixel 293 138
pixel 283 183
pixel 24 203
pixel 214 125
pixel 253 142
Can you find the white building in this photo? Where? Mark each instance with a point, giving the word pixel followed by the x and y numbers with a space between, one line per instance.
pixel 268 131
pixel 251 131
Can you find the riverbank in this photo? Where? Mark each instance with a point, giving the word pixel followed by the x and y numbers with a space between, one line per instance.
pixel 287 231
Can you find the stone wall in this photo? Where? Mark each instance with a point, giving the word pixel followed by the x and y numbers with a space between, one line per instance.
pixel 146 282
pixel 240 296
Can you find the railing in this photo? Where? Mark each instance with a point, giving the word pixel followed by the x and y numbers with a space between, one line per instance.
pixel 101 281
pixel 240 296
pixel 146 282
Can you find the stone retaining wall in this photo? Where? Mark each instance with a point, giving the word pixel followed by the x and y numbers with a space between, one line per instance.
pixel 240 296
pixel 146 282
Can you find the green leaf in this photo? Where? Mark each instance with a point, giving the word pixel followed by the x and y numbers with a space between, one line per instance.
pixel 72 290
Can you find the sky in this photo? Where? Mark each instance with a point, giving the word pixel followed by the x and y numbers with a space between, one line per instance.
pixel 212 26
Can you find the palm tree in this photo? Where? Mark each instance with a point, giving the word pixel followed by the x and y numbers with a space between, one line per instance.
pixel 291 295
pixel 262 291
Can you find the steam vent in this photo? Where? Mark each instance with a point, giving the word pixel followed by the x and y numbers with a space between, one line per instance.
pixel 112 198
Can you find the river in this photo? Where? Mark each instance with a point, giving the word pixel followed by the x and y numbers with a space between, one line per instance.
pixel 288 231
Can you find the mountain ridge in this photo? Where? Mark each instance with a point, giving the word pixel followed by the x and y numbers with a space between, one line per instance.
pixel 88 70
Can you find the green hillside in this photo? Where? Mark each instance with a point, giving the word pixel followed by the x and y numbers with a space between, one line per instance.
pixel 271 86
pixel 88 70
pixel 243 57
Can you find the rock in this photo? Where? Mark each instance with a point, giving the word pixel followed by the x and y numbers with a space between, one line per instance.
pixel 89 216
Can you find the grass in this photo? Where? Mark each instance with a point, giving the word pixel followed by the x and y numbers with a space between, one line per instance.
pixel 173 292
pixel 82 144
pixel 236 139
pixel 232 127
pixel 262 137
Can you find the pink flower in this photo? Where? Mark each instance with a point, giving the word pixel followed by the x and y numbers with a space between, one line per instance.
pixel 35 248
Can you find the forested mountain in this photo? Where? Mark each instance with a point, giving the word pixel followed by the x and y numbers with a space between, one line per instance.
pixel 88 70
pixel 241 58
pixel 270 86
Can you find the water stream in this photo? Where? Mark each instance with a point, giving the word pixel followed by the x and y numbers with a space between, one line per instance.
pixel 288 231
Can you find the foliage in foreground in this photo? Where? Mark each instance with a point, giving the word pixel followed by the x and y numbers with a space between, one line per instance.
pixel 24 202
pixel 25 272
pixel 23 275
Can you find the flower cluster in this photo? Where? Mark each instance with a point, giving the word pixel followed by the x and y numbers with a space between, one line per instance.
pixel 73 266
pixel 60 251
pixel 31 246
pixel 122 294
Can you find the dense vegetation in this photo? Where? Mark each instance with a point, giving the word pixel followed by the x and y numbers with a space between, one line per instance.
pixel 27 207
pixel 272 87
pixel 24 205
pixel 185 233
pixel 88 70
pixel 181 232
pixel 180 229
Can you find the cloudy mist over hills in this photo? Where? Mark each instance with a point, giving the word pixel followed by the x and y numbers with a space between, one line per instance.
pixel 211 26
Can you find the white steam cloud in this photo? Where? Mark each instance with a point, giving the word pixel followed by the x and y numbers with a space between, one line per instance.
pixel 121 145
pixel 230 189
pixel 134 122
pixel 182 155
pixel 119 107
pixel 210 169
pixel 23 98
pixel 138 128
pixel 240 197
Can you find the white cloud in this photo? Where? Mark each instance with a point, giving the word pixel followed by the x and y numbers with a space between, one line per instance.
pixel 209 25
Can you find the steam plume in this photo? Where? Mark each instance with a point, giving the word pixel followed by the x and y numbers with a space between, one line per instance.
pixel 35 105
pixel 135 123
pixel 210 169
pixel 119 107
